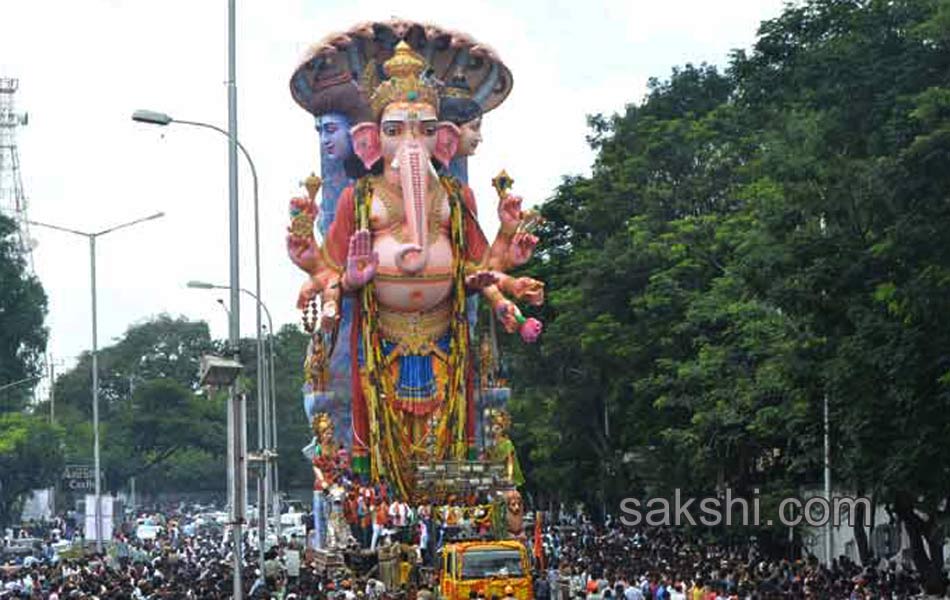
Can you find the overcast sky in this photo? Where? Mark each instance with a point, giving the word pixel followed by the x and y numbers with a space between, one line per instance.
pixel 85 66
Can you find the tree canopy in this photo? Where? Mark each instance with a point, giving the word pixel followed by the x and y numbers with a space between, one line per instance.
pixel 22 312
pixel 30 451
pixel 750 242
pixel 155 423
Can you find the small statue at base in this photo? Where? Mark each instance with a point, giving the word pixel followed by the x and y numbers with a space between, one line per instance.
pixel 324 458
pixel 503 449
pixel 514 513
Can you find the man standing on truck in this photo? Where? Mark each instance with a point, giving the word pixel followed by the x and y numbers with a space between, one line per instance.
pixel 380 517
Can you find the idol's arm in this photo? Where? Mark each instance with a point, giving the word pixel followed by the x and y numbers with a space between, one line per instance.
pixel 302 247
pixel 344 262
pixel 513 246
pixel 521 288
pixel 505 310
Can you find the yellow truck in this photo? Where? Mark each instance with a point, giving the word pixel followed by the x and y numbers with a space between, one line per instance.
pixel 486 567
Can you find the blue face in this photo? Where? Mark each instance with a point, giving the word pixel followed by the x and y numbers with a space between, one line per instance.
pixel 334 130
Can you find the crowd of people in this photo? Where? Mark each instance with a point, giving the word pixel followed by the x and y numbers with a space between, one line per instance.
pixel 659 564
pixel 184 556
pixel 191 559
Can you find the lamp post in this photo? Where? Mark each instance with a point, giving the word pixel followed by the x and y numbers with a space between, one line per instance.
pixel 19 382
pixel 267 372
pixel 225 307
pixel 273 424
pixel 158 118
pixel 267 433
pixel 236 462
pixel 152 117
pixel 92 236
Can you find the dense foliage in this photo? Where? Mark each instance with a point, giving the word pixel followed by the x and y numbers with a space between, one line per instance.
pixel 155 423
pixel 748 243
pixel 30 450
pixel 31 457
pixel 22 310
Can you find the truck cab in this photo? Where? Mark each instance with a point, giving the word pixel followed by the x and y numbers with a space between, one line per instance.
pixel 486 567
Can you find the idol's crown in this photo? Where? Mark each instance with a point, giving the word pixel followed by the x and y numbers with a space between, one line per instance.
pixel 322 422
pixel 406 82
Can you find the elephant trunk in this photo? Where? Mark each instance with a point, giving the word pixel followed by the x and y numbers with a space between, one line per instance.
pixel 413 164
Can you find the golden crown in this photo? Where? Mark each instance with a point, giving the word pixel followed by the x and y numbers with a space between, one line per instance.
pixel 501 418
pixel 322 422
pixel 405 83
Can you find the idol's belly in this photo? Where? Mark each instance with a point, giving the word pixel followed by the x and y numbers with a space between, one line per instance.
pixel 427 290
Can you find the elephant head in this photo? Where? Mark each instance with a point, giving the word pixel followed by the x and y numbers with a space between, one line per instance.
pixel 407 139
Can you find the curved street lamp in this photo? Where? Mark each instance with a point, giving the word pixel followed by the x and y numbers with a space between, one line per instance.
pixel 266 416
pixel 19 382
pixel 91 236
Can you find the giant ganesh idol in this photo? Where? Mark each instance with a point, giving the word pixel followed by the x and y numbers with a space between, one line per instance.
pixel 406 246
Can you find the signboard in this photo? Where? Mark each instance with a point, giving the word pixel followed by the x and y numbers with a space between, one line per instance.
pixel 79 478
pixel 106 513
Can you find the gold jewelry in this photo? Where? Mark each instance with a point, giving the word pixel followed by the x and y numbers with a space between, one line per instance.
pixel 405 83
pixel 417 332
pixel 301 226
pixel 321 423
pixel 312 183
pixel 502 183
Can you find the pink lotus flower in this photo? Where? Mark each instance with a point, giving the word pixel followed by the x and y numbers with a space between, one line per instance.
pixel 530 330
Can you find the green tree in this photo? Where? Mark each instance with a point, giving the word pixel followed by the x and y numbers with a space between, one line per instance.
pixel 22 311
pixel 747 244
pixel 851 98
pixel 160 348
pixel 154 425
pixel 167 426
pixel 293 430
pixel 31 457
pixel 645 321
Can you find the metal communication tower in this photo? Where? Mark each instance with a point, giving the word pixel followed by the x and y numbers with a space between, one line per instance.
pixel 12 198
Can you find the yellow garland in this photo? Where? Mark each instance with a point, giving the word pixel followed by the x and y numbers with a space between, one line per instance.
pixel 467 512
pixel 458 352
pixel 384 428
pixel 363 204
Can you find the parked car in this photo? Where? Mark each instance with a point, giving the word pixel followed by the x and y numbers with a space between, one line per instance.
pixel 21 546
pixel 297 531
pixel 146 531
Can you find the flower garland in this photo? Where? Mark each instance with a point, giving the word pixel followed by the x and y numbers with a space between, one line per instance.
pixel 386 457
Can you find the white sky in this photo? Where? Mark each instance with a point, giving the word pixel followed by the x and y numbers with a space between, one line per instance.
pixel 85 66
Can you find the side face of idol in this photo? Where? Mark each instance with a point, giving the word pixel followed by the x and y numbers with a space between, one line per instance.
pixel 334 129
pixel 471 137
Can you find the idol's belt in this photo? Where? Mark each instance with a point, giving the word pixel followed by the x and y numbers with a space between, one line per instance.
pixel 417 332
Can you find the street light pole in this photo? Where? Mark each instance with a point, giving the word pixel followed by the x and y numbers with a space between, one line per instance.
pixel 265 426
pixel 235 325
pixel 827 468
pixel 95 352
pixel 19 382
pixel 273 400
pixel 158 118
pixel 95 392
